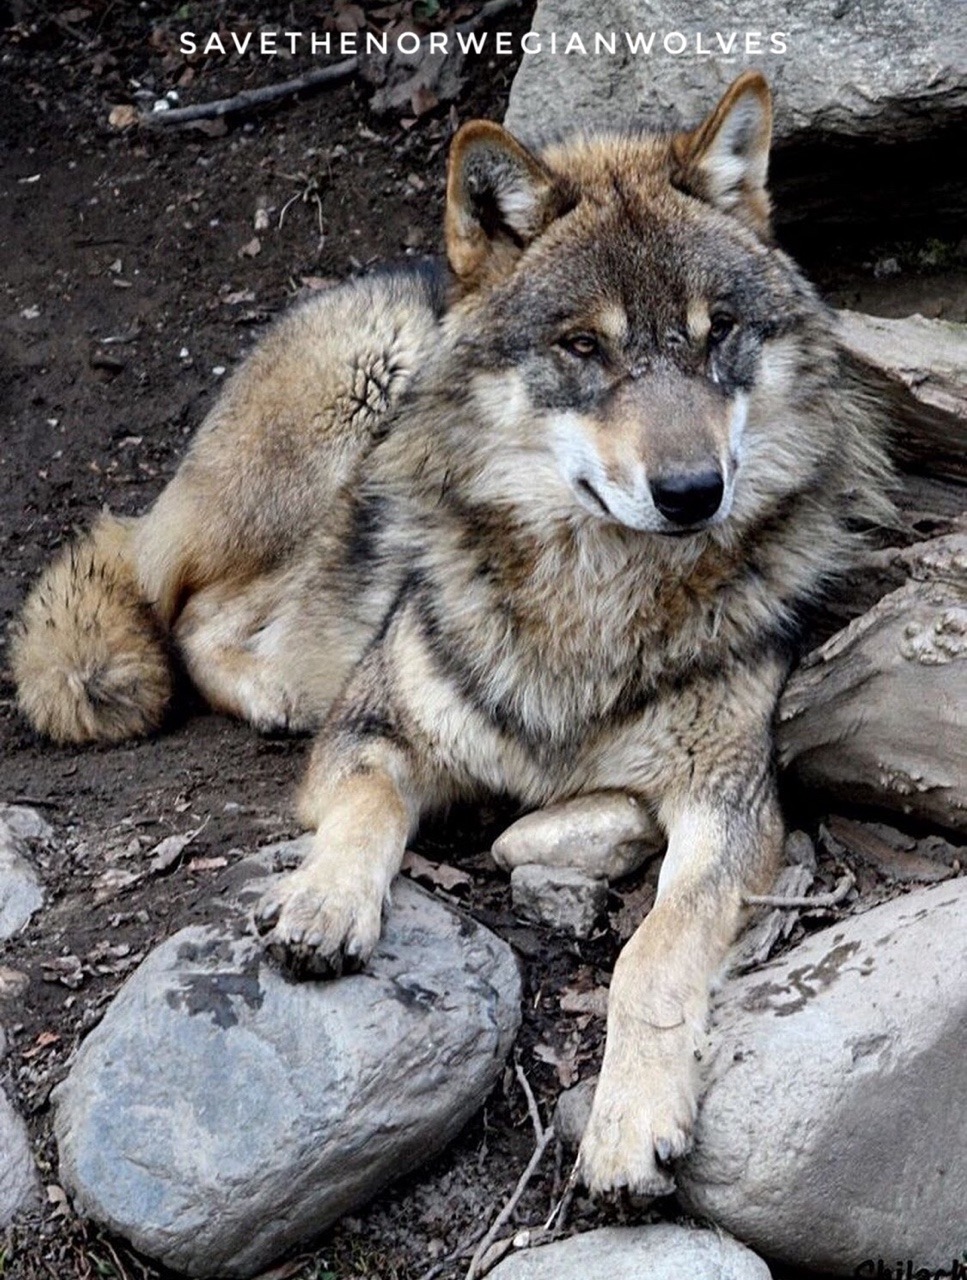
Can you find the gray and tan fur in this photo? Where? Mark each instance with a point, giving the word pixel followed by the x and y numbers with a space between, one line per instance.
pixel 541 524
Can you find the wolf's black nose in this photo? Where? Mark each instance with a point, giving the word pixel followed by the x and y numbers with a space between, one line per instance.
pixel 689 497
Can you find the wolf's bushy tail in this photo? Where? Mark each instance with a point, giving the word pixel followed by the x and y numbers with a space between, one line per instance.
pixel 88 654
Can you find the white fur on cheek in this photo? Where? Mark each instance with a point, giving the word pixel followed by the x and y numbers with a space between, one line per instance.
pixel 740 415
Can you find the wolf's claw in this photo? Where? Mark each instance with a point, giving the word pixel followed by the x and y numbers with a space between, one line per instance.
pixel 322 934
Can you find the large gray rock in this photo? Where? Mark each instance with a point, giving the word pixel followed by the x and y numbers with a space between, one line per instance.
pixel 221 1113
pixel 21 893
pixel 878 714
pixel 663 1251
pixel 928 357
pixel 18 1174
pixel 834 1128
pixel 862 68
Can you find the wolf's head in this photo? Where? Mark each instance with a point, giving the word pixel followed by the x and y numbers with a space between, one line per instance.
pixel 636 341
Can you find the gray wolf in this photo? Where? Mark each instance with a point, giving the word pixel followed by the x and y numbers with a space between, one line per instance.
pixel 541 521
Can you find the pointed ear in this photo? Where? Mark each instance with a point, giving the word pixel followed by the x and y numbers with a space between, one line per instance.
pixel 725 160
pixel 500 197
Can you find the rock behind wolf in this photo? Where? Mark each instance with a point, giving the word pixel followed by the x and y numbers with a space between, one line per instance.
pixel 541 520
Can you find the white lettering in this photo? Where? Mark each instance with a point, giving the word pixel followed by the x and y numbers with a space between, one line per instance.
pixel 605 44
pixel 576 44
pixel 188 43
pixel 525 42
pixel 412 44
pixel 471 42
pixel 214 44
pixel 676 36
pixel 640 44
pixel 778 41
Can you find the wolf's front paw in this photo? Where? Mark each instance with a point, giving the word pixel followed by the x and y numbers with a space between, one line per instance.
pixel 318 931
pixel 638 1126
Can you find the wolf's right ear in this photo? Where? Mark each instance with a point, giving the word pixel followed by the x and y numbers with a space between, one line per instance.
pixel 500 197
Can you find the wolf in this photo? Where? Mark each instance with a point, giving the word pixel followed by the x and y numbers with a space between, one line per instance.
pixel 541 520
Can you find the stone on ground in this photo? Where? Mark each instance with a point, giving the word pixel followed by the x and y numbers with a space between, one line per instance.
pixel 18 1175
pixel 559 897
pixel 21 893
pixel 834 1127
pixel 221 1113
pixel 663 1251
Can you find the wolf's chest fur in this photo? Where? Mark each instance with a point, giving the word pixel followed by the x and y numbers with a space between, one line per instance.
pixel 552 632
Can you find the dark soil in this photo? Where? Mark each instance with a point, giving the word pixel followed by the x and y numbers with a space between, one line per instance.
pixel 133 277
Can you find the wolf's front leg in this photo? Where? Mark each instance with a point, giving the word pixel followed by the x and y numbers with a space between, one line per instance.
pixel 720 847
pixel 365 790
pixel 325 916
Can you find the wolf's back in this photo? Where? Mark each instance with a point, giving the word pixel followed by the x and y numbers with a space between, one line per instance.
pixel 88 654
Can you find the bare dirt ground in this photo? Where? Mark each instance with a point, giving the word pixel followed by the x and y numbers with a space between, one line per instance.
pixel 132 279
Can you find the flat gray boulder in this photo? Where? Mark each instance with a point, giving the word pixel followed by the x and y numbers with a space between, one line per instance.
pixel 857 69
pixel 663 1251
pixel 834 1127
pixel 221 1113
pixel 21 893
pixel 18 1174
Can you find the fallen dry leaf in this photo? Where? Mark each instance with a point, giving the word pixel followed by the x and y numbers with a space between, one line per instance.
pixel 439 874
pixel 166 852
pixel 636 903
pixel 206 864
pixel 112 882
pixel 594 1001
pixel 252 249
pixel 564 1062
pixel 123 116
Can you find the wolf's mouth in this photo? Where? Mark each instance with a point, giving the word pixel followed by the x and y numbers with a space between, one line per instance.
pixel 586 487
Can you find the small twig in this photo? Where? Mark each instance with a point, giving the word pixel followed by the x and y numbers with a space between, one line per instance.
pixel 535 1115
pixel 831 899
pixel 121 1269
pixel 560 1211
pixel 474 1270
pixel 248 98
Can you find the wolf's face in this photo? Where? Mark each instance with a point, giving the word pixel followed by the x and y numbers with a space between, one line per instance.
pixel 635 328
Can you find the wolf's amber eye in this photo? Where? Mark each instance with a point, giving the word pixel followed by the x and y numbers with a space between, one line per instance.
pixel 583 345
pixel 720 326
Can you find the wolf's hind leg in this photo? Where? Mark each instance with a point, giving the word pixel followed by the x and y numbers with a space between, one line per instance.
pixel 238 642
pixel 607 834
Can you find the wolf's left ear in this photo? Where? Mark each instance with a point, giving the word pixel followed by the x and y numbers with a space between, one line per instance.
pixel 726 159
pixel 500 197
